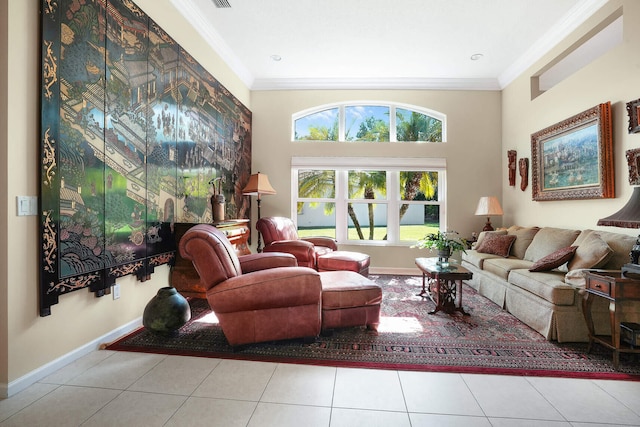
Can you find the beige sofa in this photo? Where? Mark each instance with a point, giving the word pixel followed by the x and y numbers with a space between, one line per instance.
pixel 549 301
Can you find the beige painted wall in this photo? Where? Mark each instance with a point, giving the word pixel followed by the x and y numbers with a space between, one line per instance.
pixel 27 340
pixel 477 166
pixel 613 77
pixel 472 151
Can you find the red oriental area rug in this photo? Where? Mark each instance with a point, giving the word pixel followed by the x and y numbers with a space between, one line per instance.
pixel 489 341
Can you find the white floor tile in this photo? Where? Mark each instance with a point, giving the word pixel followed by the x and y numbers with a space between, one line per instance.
pixel 202 411
pixel 137 409
pixel 77 367
pixel 278 415
pixel 431 420
pixel 342 417
pixel 510 397
pixel 583 401
pixel 64 406
pixel 517 422
pixel 237 379
pixel 438 393
pixel 301 385
pixel 176 375
pixel 23 399
pixel 118 371
pixel 368 389
pixel 627 392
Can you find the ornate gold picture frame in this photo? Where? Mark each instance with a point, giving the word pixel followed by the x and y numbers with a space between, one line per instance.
pixel 633 110
pixel 573 159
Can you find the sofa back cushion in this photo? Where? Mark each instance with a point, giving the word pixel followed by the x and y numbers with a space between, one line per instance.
pixel 592 251
pixel 548 240
pixel 621 245
pixel 524 237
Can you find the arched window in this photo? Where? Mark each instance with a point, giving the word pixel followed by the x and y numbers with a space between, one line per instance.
pixel 367 121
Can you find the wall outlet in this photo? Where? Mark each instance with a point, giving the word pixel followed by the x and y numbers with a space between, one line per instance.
pixel 115 291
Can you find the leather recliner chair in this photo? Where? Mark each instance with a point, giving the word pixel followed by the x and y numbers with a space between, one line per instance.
pixel 280 235
pixel 256 297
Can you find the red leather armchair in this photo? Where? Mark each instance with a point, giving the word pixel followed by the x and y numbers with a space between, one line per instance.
pixel 257 297
pixel 280 235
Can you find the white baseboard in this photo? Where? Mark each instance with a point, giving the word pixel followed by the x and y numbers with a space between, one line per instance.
pixel 16 386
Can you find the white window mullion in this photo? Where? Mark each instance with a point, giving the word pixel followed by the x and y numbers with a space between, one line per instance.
pixel 393 137
pixel 341 205
pixel 393 206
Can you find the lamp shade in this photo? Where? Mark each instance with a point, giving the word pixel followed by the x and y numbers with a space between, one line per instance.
pixel 488 205
pixel 628 216
pixel 258 184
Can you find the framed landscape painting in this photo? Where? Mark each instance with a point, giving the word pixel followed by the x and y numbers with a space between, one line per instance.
pixel 573 159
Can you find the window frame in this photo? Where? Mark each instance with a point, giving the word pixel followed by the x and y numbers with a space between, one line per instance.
pixel 393 167
pixel 392 120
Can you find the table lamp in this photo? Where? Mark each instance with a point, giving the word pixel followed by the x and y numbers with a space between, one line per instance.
pixel 628 217
pixel 488 206
pixel 257 186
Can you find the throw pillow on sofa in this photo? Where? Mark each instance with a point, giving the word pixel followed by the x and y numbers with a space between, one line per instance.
pixel 592 252
pixel 496 244
pixel 483 234
pixel 548 240
pixel 554 260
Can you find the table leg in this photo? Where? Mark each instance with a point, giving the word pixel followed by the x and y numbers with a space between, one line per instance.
pixel 423 292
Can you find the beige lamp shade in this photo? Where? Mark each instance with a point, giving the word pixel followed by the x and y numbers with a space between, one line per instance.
pixel 488 206
pixel 258 184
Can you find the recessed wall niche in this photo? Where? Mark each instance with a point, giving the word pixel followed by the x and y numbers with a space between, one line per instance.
pixel 133 132
pixel 597 42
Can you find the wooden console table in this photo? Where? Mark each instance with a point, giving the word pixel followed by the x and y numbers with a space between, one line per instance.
pixel 617 289
pixel 184 276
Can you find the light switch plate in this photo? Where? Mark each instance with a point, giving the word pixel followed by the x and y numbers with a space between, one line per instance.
pixel 27 205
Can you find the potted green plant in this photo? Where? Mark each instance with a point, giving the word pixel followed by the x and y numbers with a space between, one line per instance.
pixel 446 243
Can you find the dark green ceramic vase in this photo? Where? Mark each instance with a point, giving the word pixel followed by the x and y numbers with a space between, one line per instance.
pixel 167 312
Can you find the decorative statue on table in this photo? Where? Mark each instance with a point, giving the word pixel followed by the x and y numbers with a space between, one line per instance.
pixel 217 200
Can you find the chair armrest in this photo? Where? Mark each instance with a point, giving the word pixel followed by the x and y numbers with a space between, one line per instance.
pixel 255 262
pixel 327 242
pixel 302 250
pixel 272 288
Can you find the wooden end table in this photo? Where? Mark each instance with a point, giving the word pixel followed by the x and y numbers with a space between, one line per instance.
pixel 617 289
pixel 445 285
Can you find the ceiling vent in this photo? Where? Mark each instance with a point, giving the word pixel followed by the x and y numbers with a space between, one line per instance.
pixel 221 3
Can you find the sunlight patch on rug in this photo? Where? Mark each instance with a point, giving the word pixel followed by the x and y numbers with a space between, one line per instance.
pixel 399 325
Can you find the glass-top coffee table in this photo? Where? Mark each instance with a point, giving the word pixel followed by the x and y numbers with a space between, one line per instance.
pixel 444 284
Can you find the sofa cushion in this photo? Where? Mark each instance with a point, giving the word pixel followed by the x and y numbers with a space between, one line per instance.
pixel 476 258
pixel 502 266
pixel 496 244
pixel 555 259
pixel 592 252
pixel 548 285
pixel 548 240
pixel 524 237
pixel 621 245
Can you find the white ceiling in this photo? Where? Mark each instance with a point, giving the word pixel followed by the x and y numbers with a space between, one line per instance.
pixel 386 44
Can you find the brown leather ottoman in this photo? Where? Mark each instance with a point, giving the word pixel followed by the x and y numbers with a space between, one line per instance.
pixel 344 260
pixel 349 299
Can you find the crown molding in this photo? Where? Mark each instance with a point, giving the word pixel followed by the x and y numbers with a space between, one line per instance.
pixel 375 83
pixel 194 16
pixel 573 19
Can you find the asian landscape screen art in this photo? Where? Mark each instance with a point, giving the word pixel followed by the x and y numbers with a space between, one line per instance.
pixel 135 136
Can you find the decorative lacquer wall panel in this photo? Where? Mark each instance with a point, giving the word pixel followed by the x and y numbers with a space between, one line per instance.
pixel 134 130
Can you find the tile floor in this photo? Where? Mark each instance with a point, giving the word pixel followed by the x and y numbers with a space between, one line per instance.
pixel 107 388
